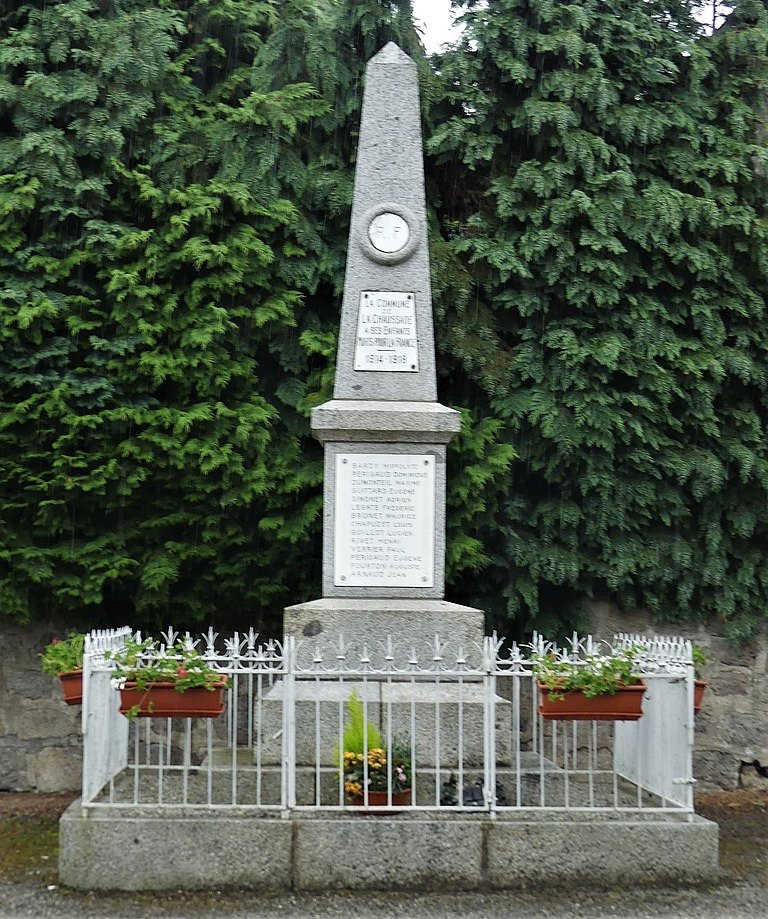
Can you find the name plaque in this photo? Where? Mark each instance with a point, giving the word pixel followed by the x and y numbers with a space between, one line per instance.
pixel 384 527
pixel 386 332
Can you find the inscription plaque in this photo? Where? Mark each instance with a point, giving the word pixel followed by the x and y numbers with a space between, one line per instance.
pixel 384 527
pixel 386 332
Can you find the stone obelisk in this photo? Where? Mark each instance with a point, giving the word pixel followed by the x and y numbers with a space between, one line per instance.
pixel 384 433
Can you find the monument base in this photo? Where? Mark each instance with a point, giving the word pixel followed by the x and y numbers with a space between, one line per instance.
pixel 412 624
pixel 213 849
pixel 367 629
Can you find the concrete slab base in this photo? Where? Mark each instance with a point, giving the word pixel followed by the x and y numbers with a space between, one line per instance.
pixel 146 850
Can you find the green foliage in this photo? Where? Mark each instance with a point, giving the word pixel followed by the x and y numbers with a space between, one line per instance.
pixel 63 655
pixel 175 185
pixel 700 660
pixel 595 674
pixel 145 663
pixel 602 185
pixel 360 735
pixel 149 465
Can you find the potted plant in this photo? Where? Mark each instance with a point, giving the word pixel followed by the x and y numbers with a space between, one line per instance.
pixel 172 682
pixel 371 772
pixel 700 660
pixel 598 687
pixel 63 658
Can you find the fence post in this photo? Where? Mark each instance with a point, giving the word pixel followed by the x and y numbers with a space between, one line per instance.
pixel 490 661
pixel 85 718
pixel 289 726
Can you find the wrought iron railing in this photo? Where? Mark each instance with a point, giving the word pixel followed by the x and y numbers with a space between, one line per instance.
pixel 460 723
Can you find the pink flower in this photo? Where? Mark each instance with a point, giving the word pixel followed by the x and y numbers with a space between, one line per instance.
pixel 55 641
pixel 181 672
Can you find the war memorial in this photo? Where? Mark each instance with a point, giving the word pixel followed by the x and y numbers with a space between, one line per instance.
pixel 497 797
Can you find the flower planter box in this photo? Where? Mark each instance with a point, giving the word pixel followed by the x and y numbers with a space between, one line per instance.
pixel 378 799
pixel 626 704
pixel 698 694
pixel 72 686
pixel 162 700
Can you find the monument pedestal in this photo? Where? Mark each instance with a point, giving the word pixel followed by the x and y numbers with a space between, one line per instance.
pixel 408 707
pixel 435 633
pixel 411 623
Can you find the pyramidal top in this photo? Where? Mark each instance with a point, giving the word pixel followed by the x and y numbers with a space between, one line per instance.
pixel 386 342
pixel 391 53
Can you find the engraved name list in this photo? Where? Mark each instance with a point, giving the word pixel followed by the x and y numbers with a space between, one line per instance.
pixel 384 527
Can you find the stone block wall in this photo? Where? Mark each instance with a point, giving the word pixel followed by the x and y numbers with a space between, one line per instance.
pixel 40 745
pixel 41 750
pixel 732 726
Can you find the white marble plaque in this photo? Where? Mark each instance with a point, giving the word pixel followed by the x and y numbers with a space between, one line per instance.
pixel 386 332
pixel 384 526
pixel 389 232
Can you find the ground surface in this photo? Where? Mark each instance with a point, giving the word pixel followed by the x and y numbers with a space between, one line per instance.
pixel 28 882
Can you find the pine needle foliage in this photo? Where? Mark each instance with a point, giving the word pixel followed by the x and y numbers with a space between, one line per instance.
pixel 360 735
pixel 175 187
pixel 603 187
pixel 148 466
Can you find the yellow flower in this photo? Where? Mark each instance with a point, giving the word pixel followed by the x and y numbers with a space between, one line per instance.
pixel 353 789
pixel 377 758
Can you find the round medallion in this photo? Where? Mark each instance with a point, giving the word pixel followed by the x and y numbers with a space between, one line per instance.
pixel 388 232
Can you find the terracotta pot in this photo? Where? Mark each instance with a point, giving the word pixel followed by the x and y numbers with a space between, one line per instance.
pixel 161 700
pixel 72 685
pixel 626 704
pixel 698 694
pixel 377 799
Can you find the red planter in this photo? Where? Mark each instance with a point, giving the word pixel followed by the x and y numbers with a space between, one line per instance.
pixel 72 686
pixel 698 694
pixel 626 704
pixel 161 700
pixel 378 799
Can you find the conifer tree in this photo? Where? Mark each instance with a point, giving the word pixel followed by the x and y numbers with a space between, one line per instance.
pixel 586 190
pixel 146 469
pixel 175 185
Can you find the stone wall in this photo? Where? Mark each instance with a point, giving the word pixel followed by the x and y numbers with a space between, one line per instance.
pixel 732 726
pixel 40 746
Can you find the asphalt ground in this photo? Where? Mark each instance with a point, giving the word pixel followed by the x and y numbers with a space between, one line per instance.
pixel 29 884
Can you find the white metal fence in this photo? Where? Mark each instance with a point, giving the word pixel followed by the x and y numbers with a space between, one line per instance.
pixel 463 721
